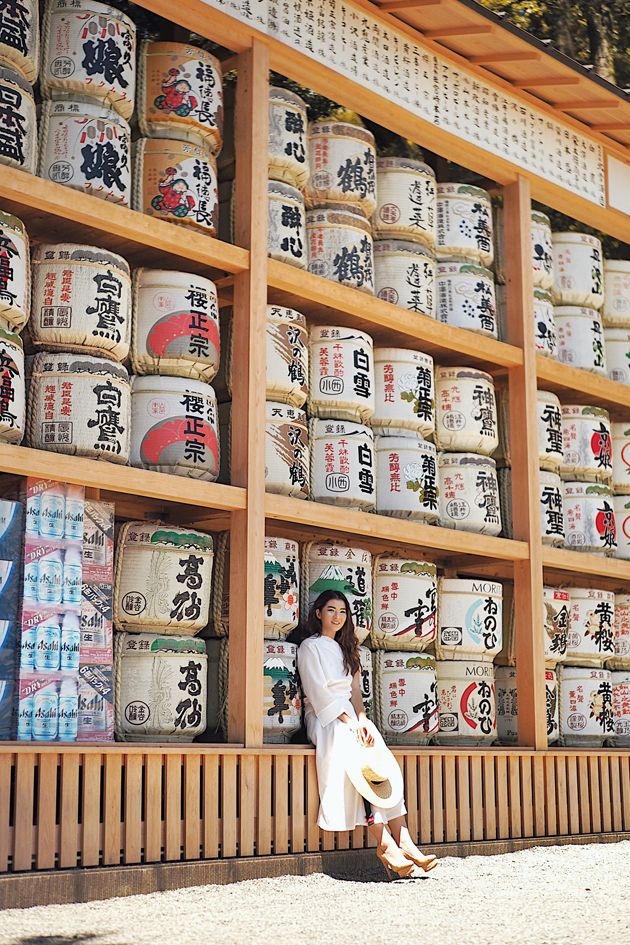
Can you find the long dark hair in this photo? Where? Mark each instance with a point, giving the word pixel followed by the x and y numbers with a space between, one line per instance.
pixel 346 637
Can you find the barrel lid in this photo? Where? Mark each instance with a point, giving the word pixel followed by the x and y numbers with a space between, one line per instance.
pixel 189 51
pixel 462 190
pixel 59 363
pixel 404 164
pixel 148 644
pixel 341 129
pixel 546 396
pixel 336 550
pixel 465 459
pixel 320 428
pixel 277 94
pixel 171 278
pixel 539 217
pixel 344 214
pixel 420 662
pixel 541 295
pixel 576 238
pixel 384 247
pixel 461 373
pixel 590 593
pixel 174 150
pixel 158 533
pixel 576 311
pixel 404 444
pixel 584 410
pixel 566 671
pixel 549 478
pixel 73 105
pixel 81 7
pixel 471 586
pixel 339 333
pixel 277 411
pixel 160 385
pixel 452 267
pixel 11 75
pixel 464 669
pixel 407 566
pixel 285 190
pixel 282 314
pixel 78 252
pixel 402 354
pixel 617 265
pixel 11 337
pixel 281 544
pixel 586 488
pixel 11 222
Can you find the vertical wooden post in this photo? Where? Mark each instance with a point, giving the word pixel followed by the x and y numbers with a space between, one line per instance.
pixel 245 682
pixel 528 575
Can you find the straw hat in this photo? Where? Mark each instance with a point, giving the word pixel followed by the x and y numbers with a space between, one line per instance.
pixel 374 772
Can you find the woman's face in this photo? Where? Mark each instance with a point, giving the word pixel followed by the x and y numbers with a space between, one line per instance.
pixel 333 616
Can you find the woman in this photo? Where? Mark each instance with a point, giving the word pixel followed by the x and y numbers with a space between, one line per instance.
pixel 329 667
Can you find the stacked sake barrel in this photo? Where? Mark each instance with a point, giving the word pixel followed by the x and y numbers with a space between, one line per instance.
pixel 15 302
pixel 616 319
pixel 578 293
pixel 19 67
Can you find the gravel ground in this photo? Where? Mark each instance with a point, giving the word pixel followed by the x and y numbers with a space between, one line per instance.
pixel 563 895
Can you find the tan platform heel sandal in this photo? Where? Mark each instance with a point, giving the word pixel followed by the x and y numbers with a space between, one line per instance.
pixel 395 861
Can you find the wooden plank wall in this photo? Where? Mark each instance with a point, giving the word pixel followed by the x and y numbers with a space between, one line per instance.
pixel 83 807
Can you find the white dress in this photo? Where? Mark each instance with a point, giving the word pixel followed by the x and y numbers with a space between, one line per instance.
pixel 327 688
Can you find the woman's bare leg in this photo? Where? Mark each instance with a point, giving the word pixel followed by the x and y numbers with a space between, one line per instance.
pixel 401 835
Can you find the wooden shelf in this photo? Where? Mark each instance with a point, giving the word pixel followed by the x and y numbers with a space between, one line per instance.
pixel 54 213
pixel 574 385
pixel 558 561
pixel 328 302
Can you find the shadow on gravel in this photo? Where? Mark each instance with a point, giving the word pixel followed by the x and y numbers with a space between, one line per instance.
pixel 81 938
pixel 363 875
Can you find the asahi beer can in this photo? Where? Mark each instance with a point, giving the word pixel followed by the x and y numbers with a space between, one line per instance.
pixel 15 275
pixel 549 431
pixel 621 505
pixel 404 274
pixel 586 444
pixel 589 518
pixel 287 224
pixel 545 334
pixel 405 201
pixel 287 470
pixel 342 161
pixel 464 224
pixel 591 636
pixel 282 698
pixel 557 623
pixel 333 566
pixel 469 493
pixel 341 374
pixel 343 464
pixel 19 37
pixel 470 620
pixel 542 250
pixel 287 356
pixel 405 603
pixel 404 393
pixel 405 696
pixel 340 246
pixel 578 270
pixel 616 310
pixel 621 709
pixel 621 458
pixel 617 344
pixel 581 338
pixel 467 704
pixel 466 411
pixel 288 122
pixel 551 510
pixel 12 388
pixel 586 706
pixel 282 592
pixel 407 478
pixel 18 143
pixel 466 298
pixel 621 656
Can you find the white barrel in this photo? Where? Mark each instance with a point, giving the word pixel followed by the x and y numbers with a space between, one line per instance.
pixel 467 705
pixel 287 224
pixel 180 94
pixel 470 620
pixel 19 37
pixel 12 388
pixel 621 709
pixel 366 680
pixel 174 427
pixel 620 659
pixel 405 696
pixel 160 687
pixel 341 364
pixel 282 699
pixel 545 334
pixel 404 393
pixel 586 444
pixel 86 146
pixel 340 246
pixel 507 705
pixel 591 635
pixel 586 706
pixel 542 250
pixel 342 159
pixel 331 566
pixel 163 579
pixel 465 297
pixel 343 467
pixel 617 345
pixel 81 300
pixel 549 431
pixel 18 144
pixel 578 276
pixel 469 493
pixel 551 509
pixel 404 274
pixel 287 456
pixel 580 337
pixel 621 505
pixel 288 123
pixel 287 356
pixel 621 458
pixel 464 223
pixel 589 518
pixel 15 274
pixel 282 594
pixel 557 623
pixel 616 310
pixel 405 603
pixel 466 411
pixel 79 405
pixel 175 324
pixel 407 478
pixel 405 201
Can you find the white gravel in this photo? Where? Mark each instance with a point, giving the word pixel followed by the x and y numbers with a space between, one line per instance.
pixel 561 895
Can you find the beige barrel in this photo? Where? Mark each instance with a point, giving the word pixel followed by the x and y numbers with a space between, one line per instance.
pixel 282 594
pixel 180 94
pixel 469 493
pixel 175 324
pixel 467 704
pixel 545 334
pixel 542 250
pixel 405 603
pixel 19 37
pixel 332 566
pixel 549 431
pixel 552 515
pixel 89 49
pixel 81 300
pixel 404 393
pixel 617 345
pixel 464 224
pixel 163 579
pixel 176 181
pixel 79 405
pixel 287 356
pixel 287 224
pixel 466 298
pixel 366 680
pixel 557 623
pixel 12 388
pixel 590 640
pixel 470 620
pixel 341 374
pixel 288 122
pixel 507 705
pixel 616 310
pixel 621 458
pixel 404 274
pixel 282 698
pixel 407 478
pixel 405 201
pixel 578 270
pixel 466 411
pixel 586 444
pixel 18 145
pixel 287 455
pixel 343 467
pixel 342 160
pixel 86 146
pixel 15 273
pixel 621 656
pixel 340 246
pixel 621 505
pixel 160 687
pixel 589 518
pixel 586 706
pixel 621 709
pixel 405 697
pixel 580 335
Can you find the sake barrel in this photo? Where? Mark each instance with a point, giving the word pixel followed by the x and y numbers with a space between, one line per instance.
pixel 79 405
pixel 405 201
pixel 287 460
pixel 174 427
pixel 506 704
pixel 621 505
pixel 366 679
pixel 86 146
pixel 467 705
pixel 343 467
pixel 81 300
pixel 89 49
pixel 545 334
pixel 586 706
pixel 616 310
pixel 15 275
pixel 404 274
pixel 617 345
pixel 176 181
pixel 464 223
pixel 580 337
pixel 470 620
pixel 407 478
pixel 621 458
pixel 329 566
pixel 469 493
pixel 18 143
pixel 620 659
pixel 287 356
pixel 551 510
pixel 288 123
pixel 405 695
pixel 342 160
pixel 163 579
pixel 589 518
pixel 405 603
pixel 217 685
pixel 621 709
pixel 180 94
pixel 586 444
pixel 542 250
pixel 160 687
pixel 12 388
pixel 465 411
pixel 549 431
pixel 282 699
pixel 591 636
pixel 341 374
pixel 404 393
pixel 19 37
pixel 578 277
pixel 282 596
pixel 465 297
pixel 287 224
pixel 340 246
pixel 557 623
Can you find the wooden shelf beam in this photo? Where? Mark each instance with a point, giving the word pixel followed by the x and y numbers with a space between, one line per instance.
pixel 546 80
pixel 394 6
pixel 574 385
pixel 486 59
pixel 466 29
pixel 584 567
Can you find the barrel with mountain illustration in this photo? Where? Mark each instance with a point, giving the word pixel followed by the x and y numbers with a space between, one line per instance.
pixel 332 566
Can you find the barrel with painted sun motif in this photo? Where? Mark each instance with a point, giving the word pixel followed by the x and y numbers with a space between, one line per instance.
pixel 586 444
pixel 467 705
pixel 589 518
